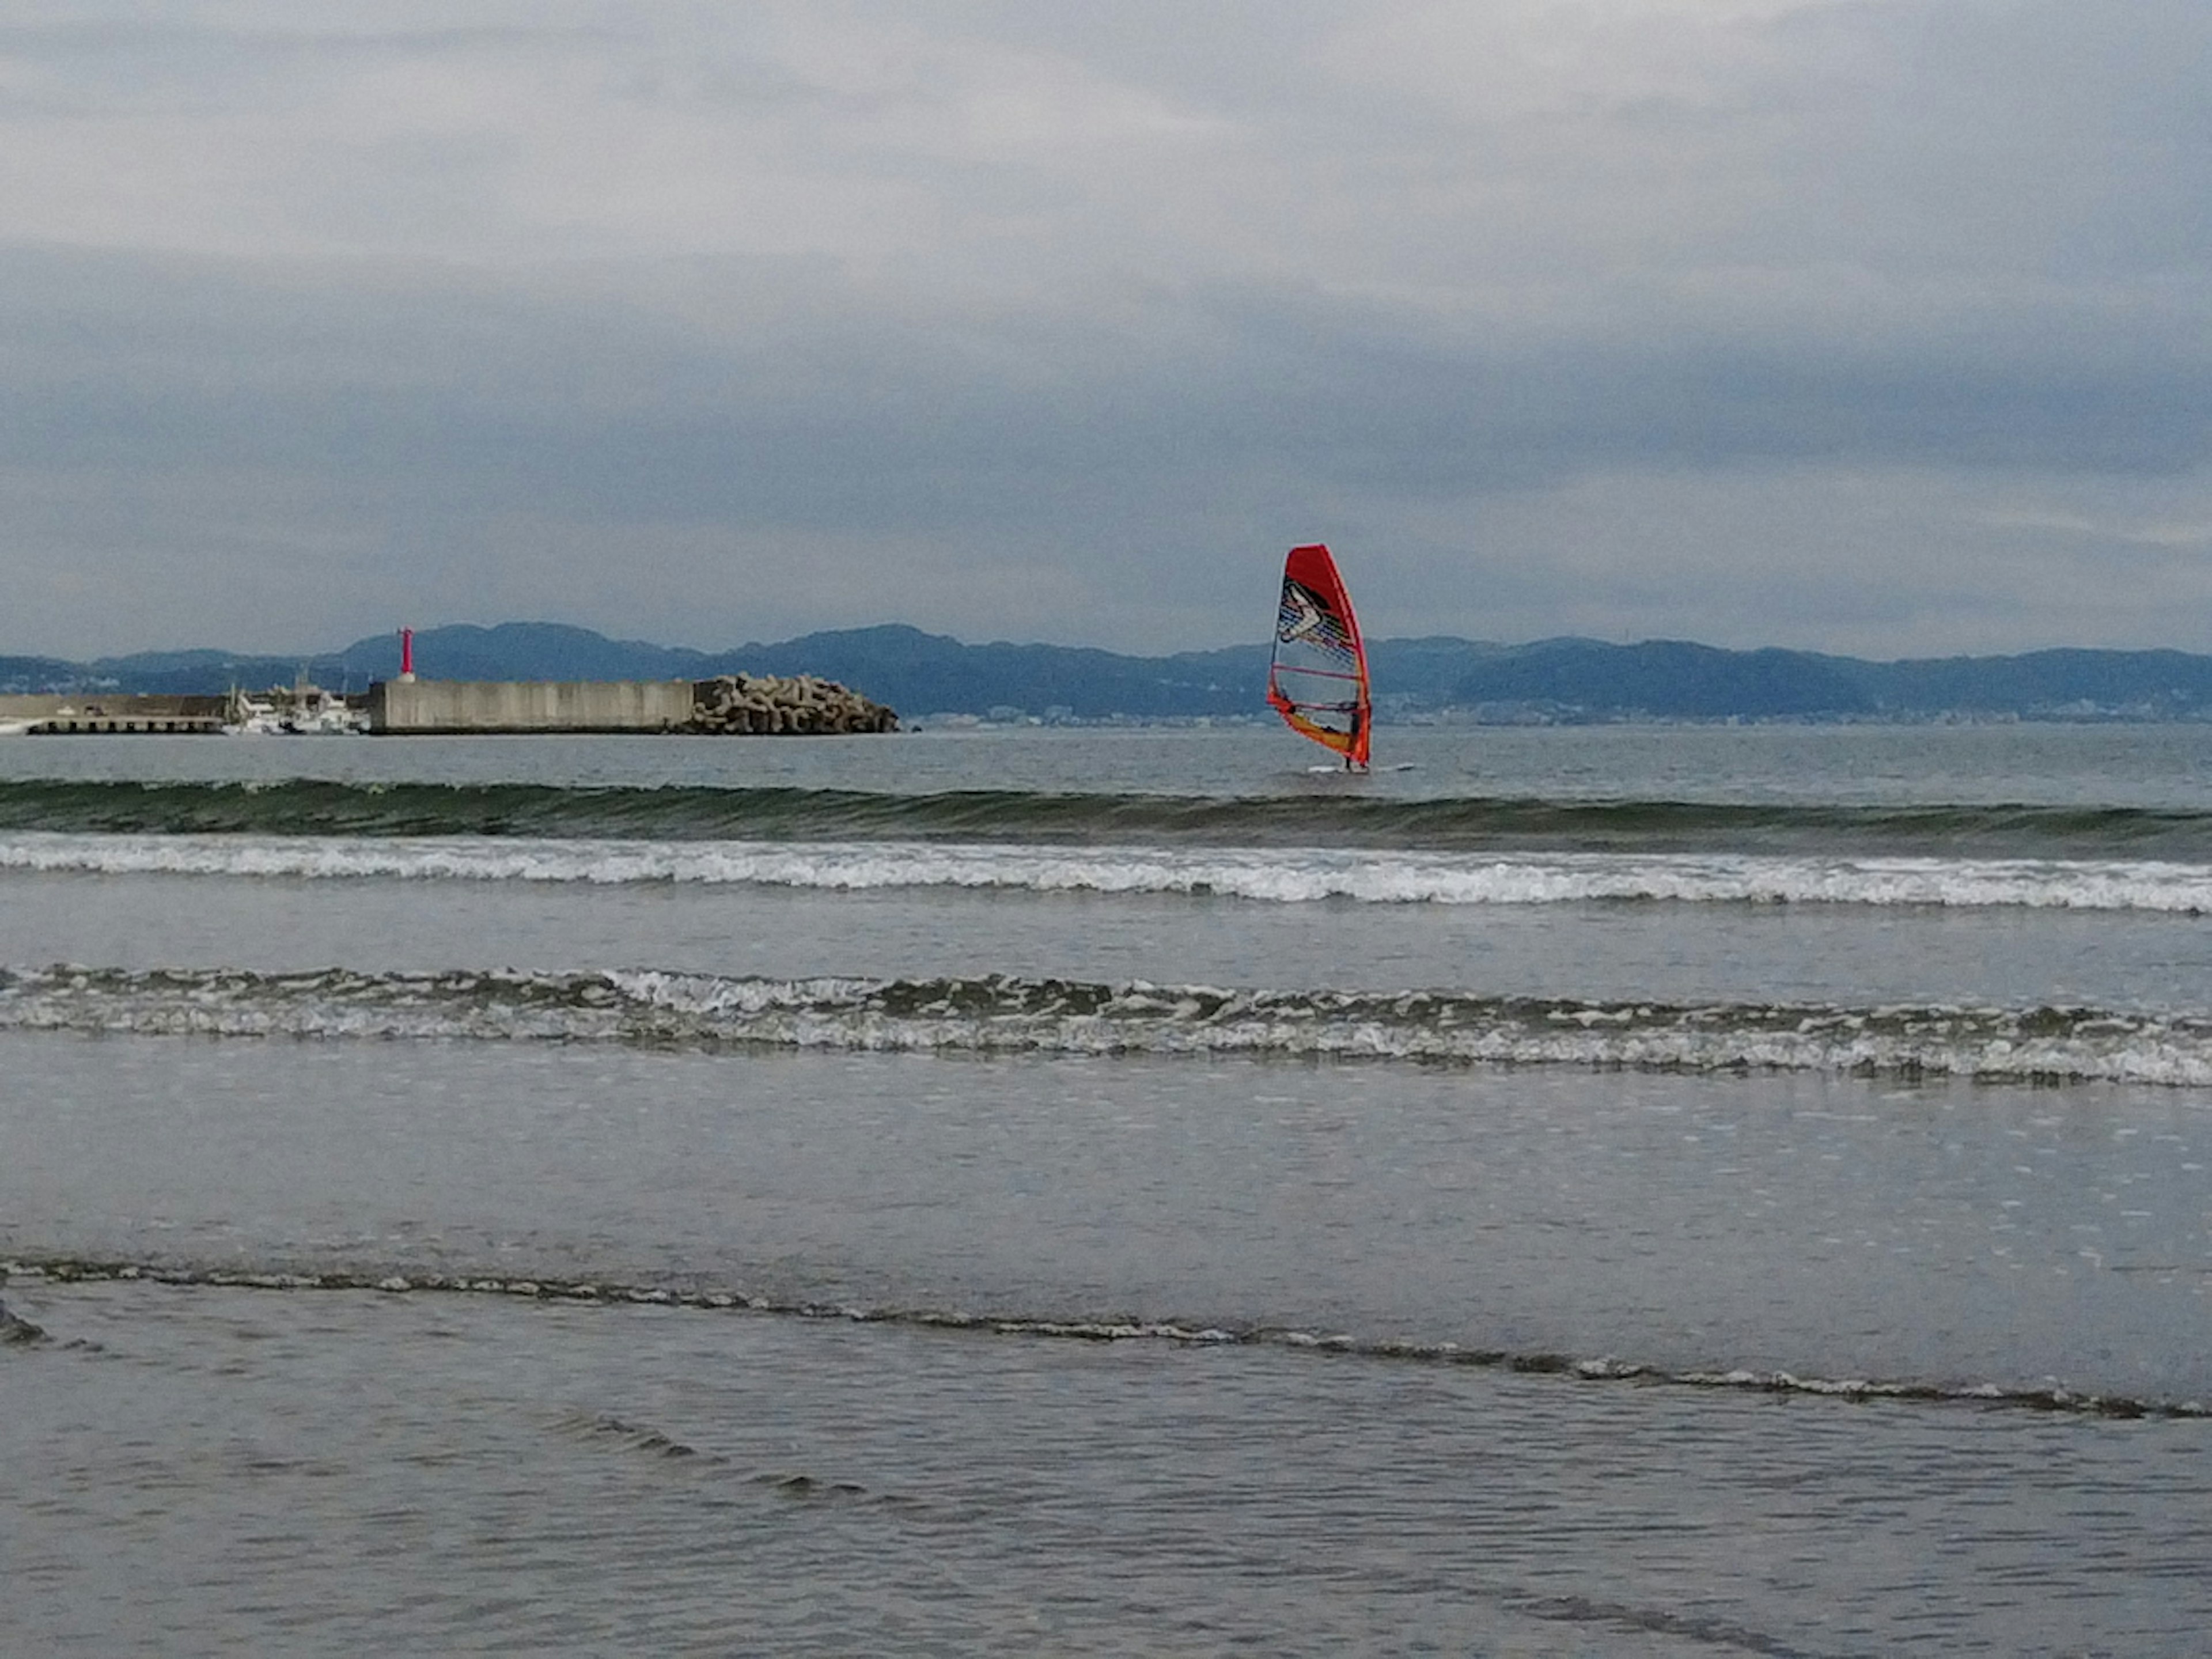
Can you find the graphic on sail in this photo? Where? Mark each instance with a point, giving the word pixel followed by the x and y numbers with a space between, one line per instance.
pixel 1317 681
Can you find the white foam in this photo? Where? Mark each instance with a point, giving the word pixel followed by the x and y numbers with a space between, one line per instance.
pixel 1295 875
pixel 1018 1016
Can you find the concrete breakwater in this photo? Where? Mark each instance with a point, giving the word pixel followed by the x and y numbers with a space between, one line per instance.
pixel 731 704
pixel 109 712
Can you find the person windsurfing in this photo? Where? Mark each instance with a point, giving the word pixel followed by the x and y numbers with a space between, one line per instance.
pixel 1318 676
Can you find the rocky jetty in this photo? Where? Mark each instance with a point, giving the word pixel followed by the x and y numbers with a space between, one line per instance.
pixel 767 705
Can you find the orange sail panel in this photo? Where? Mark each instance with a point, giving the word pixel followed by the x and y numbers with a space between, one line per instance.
pixel 1318 679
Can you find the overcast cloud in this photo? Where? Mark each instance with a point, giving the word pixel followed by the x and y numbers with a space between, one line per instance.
pixel 1880 327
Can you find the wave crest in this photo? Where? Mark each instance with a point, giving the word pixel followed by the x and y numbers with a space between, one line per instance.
pixel 1292 875
pixel 295 807
pixel 2047 1396
pixel 1002 1015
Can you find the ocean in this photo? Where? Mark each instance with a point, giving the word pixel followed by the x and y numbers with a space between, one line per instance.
pixel 1609 1190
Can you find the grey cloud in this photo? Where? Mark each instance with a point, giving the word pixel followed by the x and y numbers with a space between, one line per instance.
pixel 1961 241
pixel 814 414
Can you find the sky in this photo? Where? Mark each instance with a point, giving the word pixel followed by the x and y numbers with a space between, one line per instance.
pixel 1876 326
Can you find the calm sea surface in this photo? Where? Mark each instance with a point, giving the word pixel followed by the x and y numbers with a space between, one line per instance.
pixel 1630 1190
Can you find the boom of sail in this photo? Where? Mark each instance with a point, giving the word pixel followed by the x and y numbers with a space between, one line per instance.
pixel 1317 681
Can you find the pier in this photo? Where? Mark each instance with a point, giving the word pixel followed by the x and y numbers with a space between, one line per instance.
pixel 452 707
pixel 112 714
pixel 730 704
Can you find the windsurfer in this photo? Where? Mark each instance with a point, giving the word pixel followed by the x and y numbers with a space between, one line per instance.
pixel 1317 677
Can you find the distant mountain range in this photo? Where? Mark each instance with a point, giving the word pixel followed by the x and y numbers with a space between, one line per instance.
pixel 1561 680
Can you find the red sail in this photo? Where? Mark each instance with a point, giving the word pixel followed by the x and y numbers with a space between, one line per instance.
pixel 1317 681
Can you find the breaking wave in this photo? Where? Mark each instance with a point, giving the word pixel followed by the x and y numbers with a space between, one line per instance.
pixel 299 807
pixel 1002 1015
pixel 1287 875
